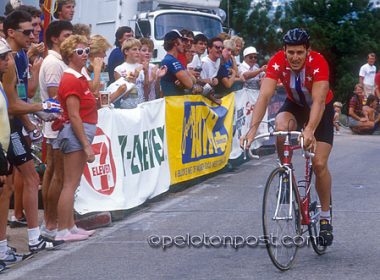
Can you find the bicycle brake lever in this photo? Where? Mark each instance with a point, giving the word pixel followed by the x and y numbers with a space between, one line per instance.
pixel 245 149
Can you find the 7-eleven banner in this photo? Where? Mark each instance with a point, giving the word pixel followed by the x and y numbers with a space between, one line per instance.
pixel 199 134
pixel 131 162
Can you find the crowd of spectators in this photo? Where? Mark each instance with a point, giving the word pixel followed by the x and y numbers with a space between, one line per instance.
pixel 65 65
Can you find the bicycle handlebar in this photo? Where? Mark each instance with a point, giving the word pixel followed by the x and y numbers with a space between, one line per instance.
pixel 305 154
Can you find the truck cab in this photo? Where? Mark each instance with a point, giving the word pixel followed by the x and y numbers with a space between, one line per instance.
pixel 150 18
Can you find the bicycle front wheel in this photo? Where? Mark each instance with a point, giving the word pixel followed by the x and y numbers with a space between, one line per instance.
pixel 281 219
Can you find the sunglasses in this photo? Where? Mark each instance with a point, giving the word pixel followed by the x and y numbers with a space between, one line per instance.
pixel 252 57
pixel 81 51
pixel 186 40
pixel 26 32
pixel 218 47
pixel 3 56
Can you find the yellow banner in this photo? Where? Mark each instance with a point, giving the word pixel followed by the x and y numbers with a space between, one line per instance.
pixel 199 135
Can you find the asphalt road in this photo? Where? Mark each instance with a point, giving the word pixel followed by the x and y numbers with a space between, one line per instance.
pixel 230 205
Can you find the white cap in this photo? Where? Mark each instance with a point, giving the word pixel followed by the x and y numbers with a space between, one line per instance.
pixel 249 50
pixel 4 47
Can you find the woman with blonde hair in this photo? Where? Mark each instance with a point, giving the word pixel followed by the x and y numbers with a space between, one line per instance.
pixel 95 66
pixel 75 138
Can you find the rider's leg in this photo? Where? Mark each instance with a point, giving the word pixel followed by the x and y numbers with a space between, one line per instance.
pixel 322 174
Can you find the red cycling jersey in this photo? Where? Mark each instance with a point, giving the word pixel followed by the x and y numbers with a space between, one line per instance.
pixel 315 69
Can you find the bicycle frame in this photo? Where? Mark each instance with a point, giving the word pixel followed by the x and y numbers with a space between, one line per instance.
pixel 288 166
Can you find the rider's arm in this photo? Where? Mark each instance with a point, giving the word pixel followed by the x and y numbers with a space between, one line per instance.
pixel 267 90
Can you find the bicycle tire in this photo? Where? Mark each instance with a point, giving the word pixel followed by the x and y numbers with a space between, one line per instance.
pixel 281 256
pixel 313 227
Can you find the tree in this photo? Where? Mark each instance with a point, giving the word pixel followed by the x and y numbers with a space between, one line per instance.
pixel 344 31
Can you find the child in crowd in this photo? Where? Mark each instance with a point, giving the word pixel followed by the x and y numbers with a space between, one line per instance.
pixel 338 109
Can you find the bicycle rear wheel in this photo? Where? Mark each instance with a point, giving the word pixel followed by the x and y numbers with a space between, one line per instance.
pixel 278 226
pixel 314 227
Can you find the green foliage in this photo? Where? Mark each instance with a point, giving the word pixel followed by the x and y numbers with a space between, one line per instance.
pixel 344 31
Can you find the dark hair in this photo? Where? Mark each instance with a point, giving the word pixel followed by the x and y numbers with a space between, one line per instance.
pixel 54 30
pixel 187 33
pixel 33 11
pixel 370 99
pixel 212 40
pixel 13 20
pixel 169 44
pixel 120 33
pixel 200 38
pixel 2 19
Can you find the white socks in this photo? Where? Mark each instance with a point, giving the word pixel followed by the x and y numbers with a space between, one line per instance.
pixel 325 215
pixel 3 248
pixel 33 235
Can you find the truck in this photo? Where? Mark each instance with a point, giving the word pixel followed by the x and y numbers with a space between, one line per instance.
pixel 151 18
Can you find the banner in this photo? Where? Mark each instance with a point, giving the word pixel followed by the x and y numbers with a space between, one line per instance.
pixel 131 162
pixel 199 135
pixel 245 100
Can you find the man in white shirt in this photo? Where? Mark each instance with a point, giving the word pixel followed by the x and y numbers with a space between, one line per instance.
pixel 51 72
pixel 367 75
pixel 211 63
pixel 200 46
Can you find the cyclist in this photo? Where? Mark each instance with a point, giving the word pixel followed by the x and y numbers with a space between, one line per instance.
pixel 305 76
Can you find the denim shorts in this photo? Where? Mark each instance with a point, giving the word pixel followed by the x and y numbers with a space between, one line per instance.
pixel 353 122
pixel 68 141
pixel 53 142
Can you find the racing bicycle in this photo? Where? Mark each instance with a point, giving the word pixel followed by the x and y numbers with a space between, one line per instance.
pixel 291 207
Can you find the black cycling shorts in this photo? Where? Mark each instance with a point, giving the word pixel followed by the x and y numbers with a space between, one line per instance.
pixel 325 129
pixel 19 151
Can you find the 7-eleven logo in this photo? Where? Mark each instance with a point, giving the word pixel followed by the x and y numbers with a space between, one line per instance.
pixel 101 174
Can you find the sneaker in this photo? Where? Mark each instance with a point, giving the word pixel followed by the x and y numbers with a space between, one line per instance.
pixel 11 249
pixel 2 266
pixel 82 231
pixel 71 237
pixel 45 243
pixel 325 237
pixel 16 223
pixel 12 259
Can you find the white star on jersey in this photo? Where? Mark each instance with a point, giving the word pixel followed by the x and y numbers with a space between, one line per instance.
pixel 310 58
pixel 276 67
pixel 309 78
pixel 316 71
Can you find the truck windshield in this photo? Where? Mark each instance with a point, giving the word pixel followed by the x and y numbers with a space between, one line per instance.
pixel 209 26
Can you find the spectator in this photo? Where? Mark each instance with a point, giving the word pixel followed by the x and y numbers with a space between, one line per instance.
pixel 154 74
pixel 377 84
pixel 251 71
pixel 92 71
pixel 2 35
pixel 200 46
pixel 187 39
pixel 18 30
pixel 132 70
pixel 370 109
pixel 51 72
pixel 367 75
pixel 227 73
pixel 82 29
pixel 224 36
pixel 357 120
pixel 337 111
pixel 211 63
pixel 117 57
pixel 239 45
pixel 177 79
pixel 64 10
pixel 75 138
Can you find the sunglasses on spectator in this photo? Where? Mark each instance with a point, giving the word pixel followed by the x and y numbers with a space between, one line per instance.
pixel 3 56
pixel 26 32
pixel 218 47
pixel 252 57
pixel 186 40
pixel 81 51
